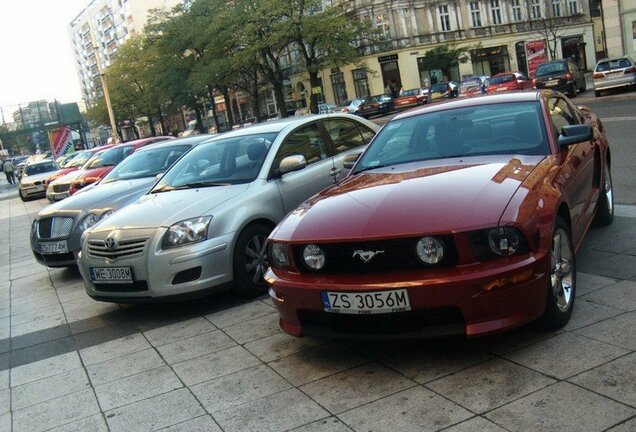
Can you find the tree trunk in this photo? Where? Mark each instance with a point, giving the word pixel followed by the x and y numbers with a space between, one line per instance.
pixel 313 98
pixel 228 107
pixel 151 125
pixel 217 124
pixel 200 126
pixel 256 103
pixel 161 121
pixel 275 76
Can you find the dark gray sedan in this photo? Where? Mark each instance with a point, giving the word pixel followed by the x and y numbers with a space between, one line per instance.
pixel 57 230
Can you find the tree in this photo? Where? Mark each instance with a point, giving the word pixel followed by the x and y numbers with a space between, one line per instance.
pixel 445 57
pixel 550 26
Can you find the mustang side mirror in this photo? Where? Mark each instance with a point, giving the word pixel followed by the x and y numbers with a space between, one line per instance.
pixel 292 163
pixel 574 134
pixel 350 160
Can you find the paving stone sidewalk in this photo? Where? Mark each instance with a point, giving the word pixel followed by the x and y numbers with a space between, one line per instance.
pixel 68 363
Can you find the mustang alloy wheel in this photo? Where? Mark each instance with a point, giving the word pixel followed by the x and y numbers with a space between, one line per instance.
pixel 605 205
pixel 250 261
pixel 562 281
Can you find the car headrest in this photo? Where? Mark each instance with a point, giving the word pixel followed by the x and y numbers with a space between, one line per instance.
pixel 256 151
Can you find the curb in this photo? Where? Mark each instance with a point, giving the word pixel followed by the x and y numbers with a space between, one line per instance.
pixel 609 98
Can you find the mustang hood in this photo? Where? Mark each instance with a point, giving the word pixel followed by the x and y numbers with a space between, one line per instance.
pixel 113 195
pixel 167 208
pixel 411 199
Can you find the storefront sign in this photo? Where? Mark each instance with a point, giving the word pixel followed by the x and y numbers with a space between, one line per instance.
pixel 535 55
pixel 61 141
pixel 388 58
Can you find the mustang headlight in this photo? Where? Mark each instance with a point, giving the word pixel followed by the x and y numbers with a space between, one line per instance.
pixel 88 221
pixel 278 254
pixel 314 257
pixel 106 214
pixel 430 250
pixel 504 241
pixel 187 231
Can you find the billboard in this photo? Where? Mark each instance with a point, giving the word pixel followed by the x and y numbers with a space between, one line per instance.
pixel 535 55
pixel 61 141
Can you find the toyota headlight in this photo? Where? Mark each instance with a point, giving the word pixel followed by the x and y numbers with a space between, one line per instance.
pixel 314 257
pixel 430 250
pixel 188 231
pixel 88 221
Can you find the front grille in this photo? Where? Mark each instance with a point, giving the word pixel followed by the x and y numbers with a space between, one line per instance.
pixel 124 248
pixel 398 254
pixel 55 227
pixel 126 287
pixel 55 258
pixel 61 187
pixel 382 324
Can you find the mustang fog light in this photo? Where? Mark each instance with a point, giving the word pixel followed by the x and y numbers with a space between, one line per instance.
pixel 278 253
pixel 503 241
pixel 314 257
pixel 88 221
pixel 430 250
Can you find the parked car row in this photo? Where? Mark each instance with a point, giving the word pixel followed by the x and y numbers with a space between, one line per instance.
pixel 456 218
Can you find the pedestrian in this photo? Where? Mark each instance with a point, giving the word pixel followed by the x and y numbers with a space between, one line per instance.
pixel 388 90
pixel 7 167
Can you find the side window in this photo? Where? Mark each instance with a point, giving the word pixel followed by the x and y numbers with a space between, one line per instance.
pixel 307 142
pixel 367 134
pixel 344 135
pixel 560 115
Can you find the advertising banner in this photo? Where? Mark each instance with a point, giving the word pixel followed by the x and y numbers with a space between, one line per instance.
pixel 61 141
pixel 535 55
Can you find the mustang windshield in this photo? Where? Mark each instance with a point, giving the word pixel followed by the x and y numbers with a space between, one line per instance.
pixel 502 128
pixel 223 161
pixel 147 163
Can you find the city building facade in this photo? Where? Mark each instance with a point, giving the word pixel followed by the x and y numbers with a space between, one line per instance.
pixel 495 34
pixel 619 22
pixel 112 23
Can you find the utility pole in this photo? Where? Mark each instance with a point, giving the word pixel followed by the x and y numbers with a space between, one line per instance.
pixel 102 78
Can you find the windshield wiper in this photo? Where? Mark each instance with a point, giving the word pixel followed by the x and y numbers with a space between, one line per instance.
pixel 368 168
pixel 193 185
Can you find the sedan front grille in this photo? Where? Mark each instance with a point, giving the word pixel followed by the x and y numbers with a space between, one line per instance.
pixel 124 248
pixel 58 188
pixel 393 255
pixel 54 227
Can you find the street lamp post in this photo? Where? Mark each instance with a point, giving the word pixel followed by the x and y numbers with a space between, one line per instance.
pixel 102 78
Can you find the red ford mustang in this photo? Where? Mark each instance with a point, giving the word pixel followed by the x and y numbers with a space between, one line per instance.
pixel 460 217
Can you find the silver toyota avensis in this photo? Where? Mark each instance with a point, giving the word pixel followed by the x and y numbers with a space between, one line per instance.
pixel 56 230
pixel 204 224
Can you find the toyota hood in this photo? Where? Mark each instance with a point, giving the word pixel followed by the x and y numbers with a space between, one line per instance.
pixel 166 208
pixel 426 197
pixel 114 195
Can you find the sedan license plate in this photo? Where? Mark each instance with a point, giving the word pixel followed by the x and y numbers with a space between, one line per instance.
pixel 373 302
pixel 57 247
pixel 552 83
pixel 111 274
pixel 39 188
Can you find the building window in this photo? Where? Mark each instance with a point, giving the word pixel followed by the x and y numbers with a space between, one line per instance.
pixel 573 6
pixel 444 18
pixel 475 14
pixel 535 8
pixel 361 82
pixel 556 8
pixel 339 87
pixel 516 10
pixel 495 11
pixel 382 23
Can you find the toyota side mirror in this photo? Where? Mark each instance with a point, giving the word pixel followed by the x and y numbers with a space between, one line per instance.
pixel 292 163
pixel 350 160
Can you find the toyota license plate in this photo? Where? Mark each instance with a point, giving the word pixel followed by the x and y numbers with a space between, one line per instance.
pixel 111 274
pixel 57 247
pixel 373 302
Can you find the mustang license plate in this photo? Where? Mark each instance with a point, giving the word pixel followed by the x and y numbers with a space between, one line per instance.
pixel 373 302
pixel 111 274
pixel 57 247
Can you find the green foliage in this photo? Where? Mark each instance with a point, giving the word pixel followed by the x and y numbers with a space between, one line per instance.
pixel 445 57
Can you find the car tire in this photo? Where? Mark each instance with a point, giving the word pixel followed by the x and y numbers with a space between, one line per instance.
pixel 562 278
pixel 250 261
pixel 597 93
pixel 605 204
pixel 572 92
pixel 24 199
pixel 583 88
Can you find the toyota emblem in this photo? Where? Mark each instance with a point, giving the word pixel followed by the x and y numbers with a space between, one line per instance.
pixel 110 243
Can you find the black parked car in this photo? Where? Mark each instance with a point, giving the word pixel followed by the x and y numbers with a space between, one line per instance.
pixel 376 105
pixel 563 75
pixel 443 90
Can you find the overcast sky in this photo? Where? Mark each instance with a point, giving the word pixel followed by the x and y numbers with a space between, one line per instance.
pixel 35 51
